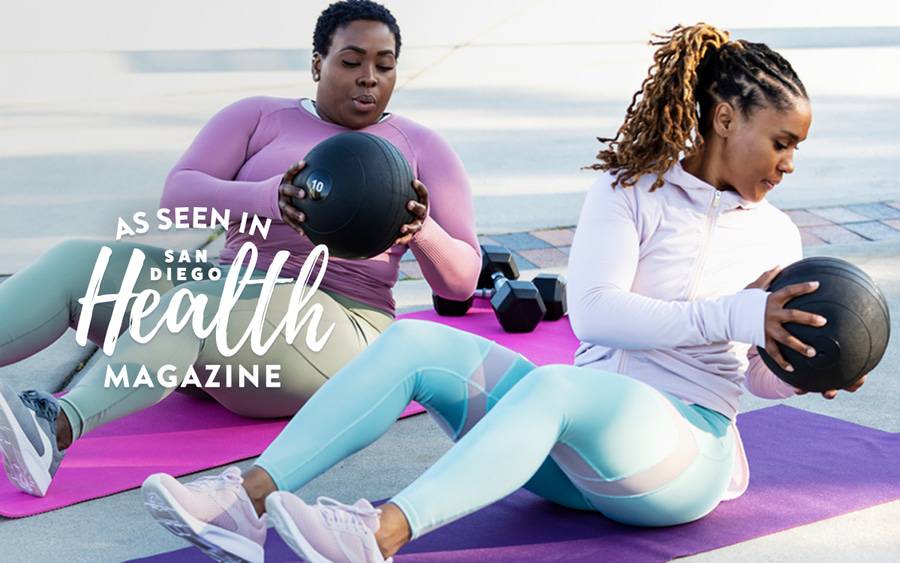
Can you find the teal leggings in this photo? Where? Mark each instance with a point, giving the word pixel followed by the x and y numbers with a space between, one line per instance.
pixel 579 437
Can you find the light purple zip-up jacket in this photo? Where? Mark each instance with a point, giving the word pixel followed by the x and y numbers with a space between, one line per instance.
pixel 656 289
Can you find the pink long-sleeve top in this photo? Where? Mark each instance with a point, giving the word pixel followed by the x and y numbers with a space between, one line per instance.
pixel 237 162
pixel 656 290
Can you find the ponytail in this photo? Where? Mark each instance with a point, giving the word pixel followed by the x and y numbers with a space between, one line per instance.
pixel 693 69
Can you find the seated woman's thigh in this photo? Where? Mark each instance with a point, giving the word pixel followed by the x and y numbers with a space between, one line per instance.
pixel 328 335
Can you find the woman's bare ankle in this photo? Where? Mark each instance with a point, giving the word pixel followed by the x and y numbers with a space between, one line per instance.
pixel 394 531
pixel 63 431
pixel 258 484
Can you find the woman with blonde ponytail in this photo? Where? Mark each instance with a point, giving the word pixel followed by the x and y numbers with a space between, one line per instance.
pixel 640 428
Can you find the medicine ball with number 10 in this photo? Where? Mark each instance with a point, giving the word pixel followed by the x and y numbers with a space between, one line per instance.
pixel 357 188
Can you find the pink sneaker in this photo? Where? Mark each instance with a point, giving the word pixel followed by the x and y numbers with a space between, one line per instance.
pixel 329 532
pixel 213 513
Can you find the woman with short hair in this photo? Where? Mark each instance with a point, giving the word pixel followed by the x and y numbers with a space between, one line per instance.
pixel 243 161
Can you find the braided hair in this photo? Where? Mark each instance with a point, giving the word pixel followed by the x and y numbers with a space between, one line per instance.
pixel 340 14
pixel 693 69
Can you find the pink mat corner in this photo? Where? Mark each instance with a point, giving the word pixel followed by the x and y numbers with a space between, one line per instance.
pixel 179 436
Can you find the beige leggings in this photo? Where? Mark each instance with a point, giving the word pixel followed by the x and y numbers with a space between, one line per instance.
pixel 41 302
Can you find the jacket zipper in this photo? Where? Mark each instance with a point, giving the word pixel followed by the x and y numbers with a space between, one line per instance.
pixel 711 218
pixel 621 368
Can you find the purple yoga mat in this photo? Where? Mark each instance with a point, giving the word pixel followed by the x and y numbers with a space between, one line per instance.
pixel 182 435
pixel 804 467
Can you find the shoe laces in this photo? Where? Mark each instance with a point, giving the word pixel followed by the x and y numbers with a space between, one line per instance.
pixel 43 405
pixel 228 479
pixel 346 517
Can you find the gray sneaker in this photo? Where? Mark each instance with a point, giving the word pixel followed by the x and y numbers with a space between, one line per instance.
pixel 28 438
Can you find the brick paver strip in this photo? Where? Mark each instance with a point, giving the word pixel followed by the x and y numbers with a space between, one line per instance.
pixel 523 262
pixel 546 257
pixel 549 248
pixel 875 210
pixel 803 218
pixel 874 230
pixel 520 241
pixel 839 214
pixel 809 239
pixel 556 237
pixel 835 234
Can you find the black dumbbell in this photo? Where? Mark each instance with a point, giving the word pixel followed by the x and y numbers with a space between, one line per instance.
pixel 492 258
pixel 552 287
pixel 495 258
pixel 553 291
pixel 518 305
pixel 450 308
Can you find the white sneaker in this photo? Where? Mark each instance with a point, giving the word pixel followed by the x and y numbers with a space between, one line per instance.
pixel 28 439
pixel 329 531
pixel 213 513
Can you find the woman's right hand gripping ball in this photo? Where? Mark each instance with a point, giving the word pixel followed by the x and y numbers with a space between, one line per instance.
pixel 290 214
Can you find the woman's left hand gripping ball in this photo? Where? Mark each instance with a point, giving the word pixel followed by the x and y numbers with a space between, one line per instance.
pixel 763 283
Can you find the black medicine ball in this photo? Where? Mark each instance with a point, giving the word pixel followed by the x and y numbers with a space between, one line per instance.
pixel 853 341
pixel 357 187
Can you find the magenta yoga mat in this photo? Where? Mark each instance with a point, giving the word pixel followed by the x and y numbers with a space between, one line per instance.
pixel 182 435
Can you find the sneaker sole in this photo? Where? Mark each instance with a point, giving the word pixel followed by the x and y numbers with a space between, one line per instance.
pixel 289 532
pixel 218 543
pixel 20 460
